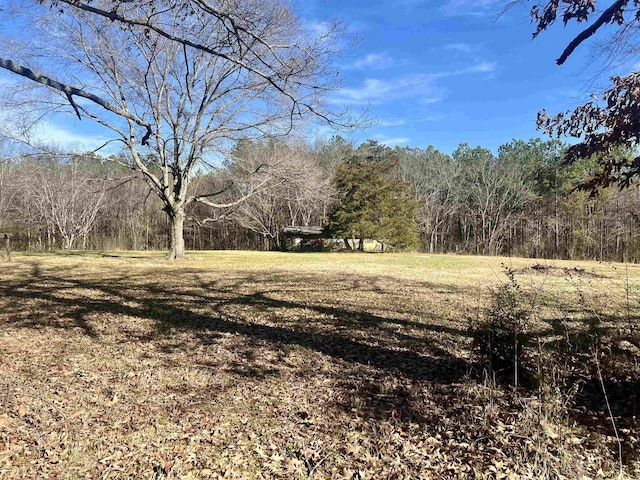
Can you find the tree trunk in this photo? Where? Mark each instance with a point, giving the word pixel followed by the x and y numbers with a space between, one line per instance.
pixel 432 240
pixel 67 242
pixel 176 246
pixel 556 232
pixel 7 245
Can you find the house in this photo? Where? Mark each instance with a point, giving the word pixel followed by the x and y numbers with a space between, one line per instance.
pixel 313 239
pixel 308 238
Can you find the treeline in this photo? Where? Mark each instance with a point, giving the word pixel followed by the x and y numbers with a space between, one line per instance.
pixel 522 202
pixel 519 202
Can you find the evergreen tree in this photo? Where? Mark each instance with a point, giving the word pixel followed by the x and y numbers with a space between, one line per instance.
pixel 374 203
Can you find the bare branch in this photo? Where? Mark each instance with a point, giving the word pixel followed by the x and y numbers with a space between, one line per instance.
pixel 70 91
pixel 283 81
pixel 254 191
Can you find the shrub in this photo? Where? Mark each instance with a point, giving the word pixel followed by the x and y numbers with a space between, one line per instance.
pixel 504 332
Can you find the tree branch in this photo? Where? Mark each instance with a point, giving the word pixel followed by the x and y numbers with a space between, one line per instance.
pixel 213 194
pixel 70 92
pixel 202 199
pixel 606 17
pixel 277 80
pixel 203 222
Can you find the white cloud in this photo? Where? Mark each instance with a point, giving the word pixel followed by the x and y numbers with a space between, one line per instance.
pixel 49 133
pixel 391 123
pixel 319 28
pixel 460 47
pixel 408 5
pixel 374 60
pixel 392 142
pixel 375 91
pixel 481 67
pixel 471 7
pixel 431 118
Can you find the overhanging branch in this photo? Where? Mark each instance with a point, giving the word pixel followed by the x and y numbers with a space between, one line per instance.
pixel 279 81
pixel 70 92
pixel 606 17
pixel 205 221
pixel 203 199
pixel 213 194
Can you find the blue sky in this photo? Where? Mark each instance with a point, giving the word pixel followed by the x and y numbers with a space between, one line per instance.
pixel 435 72
pixel 441 72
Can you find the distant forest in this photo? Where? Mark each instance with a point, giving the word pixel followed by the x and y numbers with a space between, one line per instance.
pixel 521 202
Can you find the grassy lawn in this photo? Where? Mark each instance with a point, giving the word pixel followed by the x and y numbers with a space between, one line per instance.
pixel 282 365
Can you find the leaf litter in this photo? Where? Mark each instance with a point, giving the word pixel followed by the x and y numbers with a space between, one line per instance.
pixel 143 370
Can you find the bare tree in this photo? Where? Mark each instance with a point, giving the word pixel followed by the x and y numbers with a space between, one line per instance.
pixel 7 189
pixel 494 193
pixel 7 194
pixel 67 199
pixel 176 82
pixel 437 182
pixel 296 191
pixel 130 216
pixel 309 193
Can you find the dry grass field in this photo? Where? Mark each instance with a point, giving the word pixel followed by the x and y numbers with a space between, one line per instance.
pixel 280 365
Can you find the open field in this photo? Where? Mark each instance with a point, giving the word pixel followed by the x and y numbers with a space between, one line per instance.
pixel 279 365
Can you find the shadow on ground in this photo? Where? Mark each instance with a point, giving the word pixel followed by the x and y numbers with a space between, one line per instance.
pixel 383 354
pixel 388 343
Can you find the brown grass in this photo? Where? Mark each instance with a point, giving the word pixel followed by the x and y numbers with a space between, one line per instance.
pixel 273 365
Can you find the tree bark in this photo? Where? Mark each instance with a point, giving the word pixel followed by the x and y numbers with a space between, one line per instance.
pixel 176 246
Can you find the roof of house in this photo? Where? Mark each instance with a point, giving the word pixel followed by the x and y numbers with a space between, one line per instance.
pixel 309 231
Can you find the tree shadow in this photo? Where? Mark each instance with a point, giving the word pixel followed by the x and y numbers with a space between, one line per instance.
pixel 378 357
pixel 88 254
pixel 172 314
